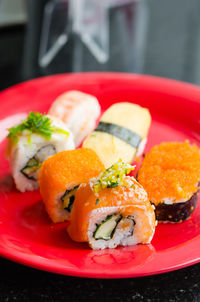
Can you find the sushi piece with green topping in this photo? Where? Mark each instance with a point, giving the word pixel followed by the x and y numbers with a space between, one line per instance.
pixel 30 143
pixel 107 216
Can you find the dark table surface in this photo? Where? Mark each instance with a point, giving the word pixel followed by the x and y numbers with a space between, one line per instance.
pixel 19 283
pixel 173 50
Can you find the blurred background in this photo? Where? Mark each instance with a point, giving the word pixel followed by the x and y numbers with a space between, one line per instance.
pixel 41 37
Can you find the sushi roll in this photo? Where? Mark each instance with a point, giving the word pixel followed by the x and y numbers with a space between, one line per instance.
pixel 112 210
pixel 60 177
pixel 30 143
pixel 170 173
pixel 79 111
pixel 121 133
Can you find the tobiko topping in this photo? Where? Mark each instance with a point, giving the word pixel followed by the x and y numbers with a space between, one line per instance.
pixel 171 170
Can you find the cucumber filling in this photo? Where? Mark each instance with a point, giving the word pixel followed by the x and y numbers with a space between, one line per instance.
pixel 106 229
pixel 31 168
pixel 68 199
pixel 34 163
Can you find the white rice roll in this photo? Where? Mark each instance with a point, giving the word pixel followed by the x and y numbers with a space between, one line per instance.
pixel 79 111
pixel 29 149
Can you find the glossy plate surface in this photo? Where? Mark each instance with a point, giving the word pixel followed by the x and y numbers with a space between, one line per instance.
pixel 26 233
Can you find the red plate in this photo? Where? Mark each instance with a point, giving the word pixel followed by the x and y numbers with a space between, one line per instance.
pixel 26 233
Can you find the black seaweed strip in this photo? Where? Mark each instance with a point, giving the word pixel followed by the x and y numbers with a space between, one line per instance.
pixel 124 134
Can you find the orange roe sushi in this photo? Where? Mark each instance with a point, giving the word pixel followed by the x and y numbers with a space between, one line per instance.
pixel 60 177
pixel 170 173
pixel 112 210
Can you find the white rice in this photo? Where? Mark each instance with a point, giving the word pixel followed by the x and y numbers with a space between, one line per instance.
pixel 171 200
pixel 121 236
pixel 141 147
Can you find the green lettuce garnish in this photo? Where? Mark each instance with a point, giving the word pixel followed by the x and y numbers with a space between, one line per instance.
pixel 113 176
pixel 35 123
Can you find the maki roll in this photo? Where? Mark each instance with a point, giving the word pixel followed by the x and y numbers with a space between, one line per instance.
pixel 121 133
pixel 30 143
pixel 112 210
pixel 79 111
pixel 170 173
pixel 60 177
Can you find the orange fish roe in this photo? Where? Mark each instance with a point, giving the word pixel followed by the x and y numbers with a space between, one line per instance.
pixel 62 172
pixel 171 170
